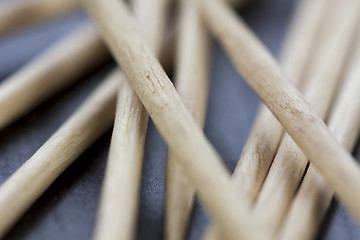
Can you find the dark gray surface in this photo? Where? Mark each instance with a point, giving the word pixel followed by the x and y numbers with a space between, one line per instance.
pixel 68 209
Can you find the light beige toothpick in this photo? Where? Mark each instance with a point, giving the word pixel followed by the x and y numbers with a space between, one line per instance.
pixel 305 127
pixel 119 199
pixel 88 123
pixel 191 82
pixel 50 72
pixel 120 191
pixel 21 13
pixel 265 135
pixel 314 197
pixel 329 61
pixel 176 125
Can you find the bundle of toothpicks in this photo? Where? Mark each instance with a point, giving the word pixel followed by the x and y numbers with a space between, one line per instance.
pixel 297 156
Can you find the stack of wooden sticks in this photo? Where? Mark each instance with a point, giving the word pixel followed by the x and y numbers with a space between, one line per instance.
pixel 292 163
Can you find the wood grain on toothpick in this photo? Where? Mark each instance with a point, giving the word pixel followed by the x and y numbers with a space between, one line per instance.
pixel 50 72
pixel 191 81
pixel 265 76
pixel 174 122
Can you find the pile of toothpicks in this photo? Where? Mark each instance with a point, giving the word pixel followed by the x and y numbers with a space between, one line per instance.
pixel 297 155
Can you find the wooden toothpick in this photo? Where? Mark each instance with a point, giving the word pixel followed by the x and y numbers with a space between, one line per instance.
pixel 19 14
pixel 152 23
pixel 264 75
pixel 238 3
pixel 191 82
pixel 50 72
pixel 87 124
pixel 119 198
pixel 265 135
pixel 328 63
pixel 314 197
pixel 176 125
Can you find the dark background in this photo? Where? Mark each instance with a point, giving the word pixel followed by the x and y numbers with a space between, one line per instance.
pixel 68 208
